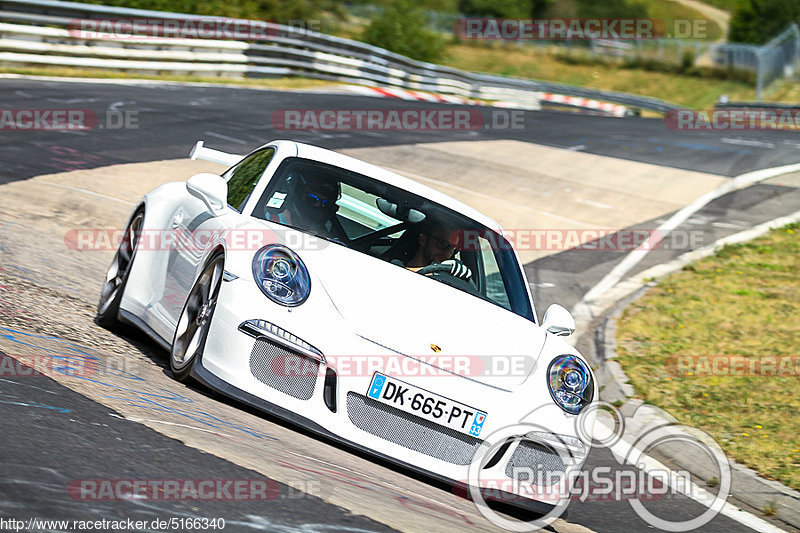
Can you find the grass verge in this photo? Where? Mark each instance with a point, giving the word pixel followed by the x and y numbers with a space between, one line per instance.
pixel 728 5
pixel 528 62
pixel 743 301
pixel 669 11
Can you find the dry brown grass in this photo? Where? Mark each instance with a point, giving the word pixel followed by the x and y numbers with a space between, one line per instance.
pixel 743 301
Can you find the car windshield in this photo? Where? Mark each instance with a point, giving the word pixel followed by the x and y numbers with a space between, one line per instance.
pixel 386 222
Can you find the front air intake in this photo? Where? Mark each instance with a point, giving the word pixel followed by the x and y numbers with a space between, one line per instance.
pixel 279 368
pixel 536 459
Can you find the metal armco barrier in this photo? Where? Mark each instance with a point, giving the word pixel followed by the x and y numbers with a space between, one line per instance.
pixel 34 32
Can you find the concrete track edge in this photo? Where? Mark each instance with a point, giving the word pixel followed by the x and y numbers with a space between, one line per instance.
pixel 747 485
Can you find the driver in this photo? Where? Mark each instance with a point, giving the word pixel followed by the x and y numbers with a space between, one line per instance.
pixel 436 248
pixel 312 206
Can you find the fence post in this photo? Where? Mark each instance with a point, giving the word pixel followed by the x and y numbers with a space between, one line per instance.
pixel 759 74
pixel 796 32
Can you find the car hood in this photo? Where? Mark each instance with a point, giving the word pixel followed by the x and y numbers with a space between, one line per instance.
pixel 414 315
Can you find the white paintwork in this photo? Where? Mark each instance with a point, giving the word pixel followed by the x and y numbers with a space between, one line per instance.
pixel 558 321
pixel 210 189
pixel 358 306
pixel 215 156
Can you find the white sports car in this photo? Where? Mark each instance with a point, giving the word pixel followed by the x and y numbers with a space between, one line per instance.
pixel 364 306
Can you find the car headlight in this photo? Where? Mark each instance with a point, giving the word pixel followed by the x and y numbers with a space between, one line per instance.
pixel 570 382
pixel 281 275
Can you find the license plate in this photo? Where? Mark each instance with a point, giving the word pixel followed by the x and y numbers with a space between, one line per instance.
pixel 427 405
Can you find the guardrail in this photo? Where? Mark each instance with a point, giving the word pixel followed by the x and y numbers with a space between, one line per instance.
pixel 34 32
pixel 757 106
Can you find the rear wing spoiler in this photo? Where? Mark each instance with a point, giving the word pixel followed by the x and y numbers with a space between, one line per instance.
pixel 215 156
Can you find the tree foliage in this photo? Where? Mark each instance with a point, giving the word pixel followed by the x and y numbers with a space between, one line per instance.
pixel 591 9
pixel 502 8
pixel 757 21
pixel 274 10
pixel 402 28
pixel 552 8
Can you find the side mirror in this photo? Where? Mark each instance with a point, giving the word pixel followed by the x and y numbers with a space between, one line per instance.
pixel 211 189
pixel 558 321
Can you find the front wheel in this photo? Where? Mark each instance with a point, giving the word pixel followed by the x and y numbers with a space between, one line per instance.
pixel 195 321
pixel 117 274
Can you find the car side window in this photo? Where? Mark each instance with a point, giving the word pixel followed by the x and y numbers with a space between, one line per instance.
pixel 243 178
pixel 495 286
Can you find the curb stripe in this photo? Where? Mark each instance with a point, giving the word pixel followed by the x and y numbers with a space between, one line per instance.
pixel 403 94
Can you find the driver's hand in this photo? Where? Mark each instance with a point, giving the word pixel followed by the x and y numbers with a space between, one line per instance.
pixel 458 269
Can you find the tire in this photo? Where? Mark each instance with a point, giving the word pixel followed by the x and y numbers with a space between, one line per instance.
pixel 192 331
pixel 117 274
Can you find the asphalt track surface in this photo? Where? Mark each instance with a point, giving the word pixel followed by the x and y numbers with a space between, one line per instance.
pixel 44 448
pixel 172 117
pixel 79 440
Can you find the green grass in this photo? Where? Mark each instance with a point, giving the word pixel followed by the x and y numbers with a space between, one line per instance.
pixel 727 5
pixel 743 301
pixel 669 11
pixel 529 62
